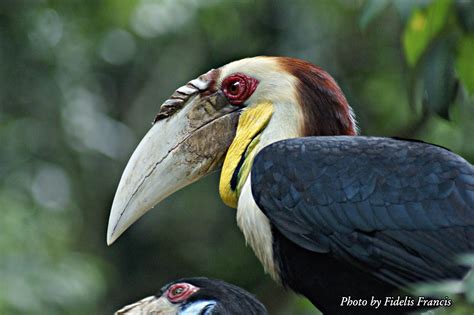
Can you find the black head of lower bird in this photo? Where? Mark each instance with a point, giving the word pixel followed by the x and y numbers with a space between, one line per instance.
pixel 328 213
pixel 197 296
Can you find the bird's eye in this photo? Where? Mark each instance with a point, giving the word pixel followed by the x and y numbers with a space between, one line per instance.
pixel 180 291
pixel 177 291
pixel 234 87
pixel 238 87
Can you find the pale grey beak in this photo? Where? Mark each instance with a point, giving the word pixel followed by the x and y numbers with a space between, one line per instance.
pixel 188 141
pixel 150 305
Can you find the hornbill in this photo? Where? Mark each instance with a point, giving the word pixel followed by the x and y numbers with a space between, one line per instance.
pixel 328 213
pixel 197 296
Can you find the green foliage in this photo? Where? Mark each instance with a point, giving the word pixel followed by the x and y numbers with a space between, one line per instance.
pixel 438 46
pixel 371 9
pixel 465 64
pixel 422 27
pixel 438 81
pixel 461 293
pixel 37 275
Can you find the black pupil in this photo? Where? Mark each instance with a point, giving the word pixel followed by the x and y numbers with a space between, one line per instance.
pixel 234 87
pixel 178 291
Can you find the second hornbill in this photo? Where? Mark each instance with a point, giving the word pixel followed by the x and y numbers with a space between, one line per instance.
pixel 328 213
pixel 197 296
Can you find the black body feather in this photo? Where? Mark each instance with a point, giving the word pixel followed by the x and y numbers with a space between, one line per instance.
pixel 364 216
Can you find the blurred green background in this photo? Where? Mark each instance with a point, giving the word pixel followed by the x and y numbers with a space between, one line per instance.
pixel 81 81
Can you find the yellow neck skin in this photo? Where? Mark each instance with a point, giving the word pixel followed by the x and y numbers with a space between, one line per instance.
pixel 251 123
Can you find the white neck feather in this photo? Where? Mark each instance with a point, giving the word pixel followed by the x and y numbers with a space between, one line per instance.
pixel 254 224
pixel 256 229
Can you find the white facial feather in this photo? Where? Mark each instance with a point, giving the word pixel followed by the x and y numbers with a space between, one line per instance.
pixel 276 84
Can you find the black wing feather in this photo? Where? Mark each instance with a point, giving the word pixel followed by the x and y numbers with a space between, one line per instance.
pixel 404 210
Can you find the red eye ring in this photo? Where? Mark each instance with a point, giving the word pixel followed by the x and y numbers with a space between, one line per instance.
pixel 238 87
pixel 180 291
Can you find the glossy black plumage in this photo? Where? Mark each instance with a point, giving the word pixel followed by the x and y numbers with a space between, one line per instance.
pixel 399 210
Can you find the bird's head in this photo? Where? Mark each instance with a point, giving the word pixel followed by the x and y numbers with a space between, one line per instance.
pixel 223 118
pixel 197 296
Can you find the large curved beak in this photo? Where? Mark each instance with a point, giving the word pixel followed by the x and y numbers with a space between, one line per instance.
pixel 189 139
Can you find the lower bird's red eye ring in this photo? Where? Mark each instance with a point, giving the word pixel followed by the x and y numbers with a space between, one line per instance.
pixel 179 292
pixel 238 87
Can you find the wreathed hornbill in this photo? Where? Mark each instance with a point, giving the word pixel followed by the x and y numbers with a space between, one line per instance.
pixel 197 296
pixel 328 213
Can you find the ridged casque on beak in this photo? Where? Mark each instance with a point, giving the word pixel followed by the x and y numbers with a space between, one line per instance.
pixel 188 140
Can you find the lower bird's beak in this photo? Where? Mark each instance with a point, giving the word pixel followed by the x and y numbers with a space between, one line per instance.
pixel 150 305
pixel 188 141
